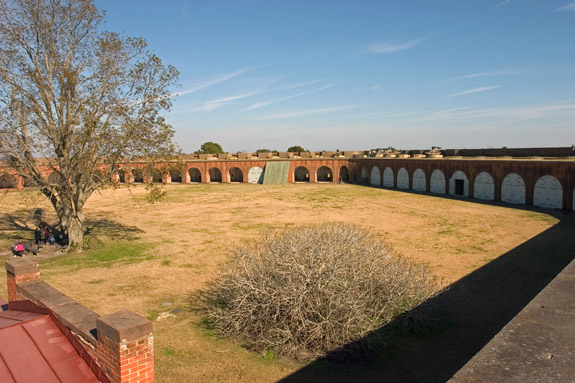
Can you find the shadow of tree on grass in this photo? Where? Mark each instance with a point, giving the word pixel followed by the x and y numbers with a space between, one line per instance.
pixel 474 310
pixel 113 230
pixel 20 224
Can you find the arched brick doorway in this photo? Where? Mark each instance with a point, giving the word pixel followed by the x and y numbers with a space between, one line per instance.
pixel 236 175
pixel 175 174
pixel 195 175
pixel 344 174
pixel 215 175
pixel 301 174
pixel 138 176
pixel 324 174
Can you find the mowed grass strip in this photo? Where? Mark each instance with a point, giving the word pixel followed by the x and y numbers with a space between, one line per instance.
pixel 112 255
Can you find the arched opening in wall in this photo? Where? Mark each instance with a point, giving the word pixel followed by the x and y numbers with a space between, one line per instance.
pixel 548 193
pixel 156 175
pixel 419 182
pixel 375 176
pixel 121 176
pixel 7 181
pixel 256 175
pixel 324 174
pixel 175 173
pixel 54 178
pixel 364 175
pixel 484 187
pixel 301 174
pixel 344 174
pixel 236 175
pixel 215 175
pixel 437 182
pixel 138 175
pixel 459 184
pixel 402 179
pixel 388 178
pixel 195 175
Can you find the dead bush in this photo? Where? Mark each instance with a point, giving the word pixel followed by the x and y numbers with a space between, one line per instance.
pixel 311 290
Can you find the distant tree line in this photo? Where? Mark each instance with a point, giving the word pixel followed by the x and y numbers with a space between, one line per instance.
pixel 215 148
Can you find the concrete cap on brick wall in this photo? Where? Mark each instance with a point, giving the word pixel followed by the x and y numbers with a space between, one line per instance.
pixel 123 326
pixel 20 266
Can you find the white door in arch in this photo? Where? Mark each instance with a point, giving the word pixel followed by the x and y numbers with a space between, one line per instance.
pixel 375 176
pixel 459 184
pixel 419 182
pixel 256 175
pixel 548 193
pixel 402 179
pixel 437 184
pixel 388 177
pixel 484 187
pixel 513 189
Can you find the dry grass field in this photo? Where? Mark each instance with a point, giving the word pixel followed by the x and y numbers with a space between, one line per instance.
pixel 149 258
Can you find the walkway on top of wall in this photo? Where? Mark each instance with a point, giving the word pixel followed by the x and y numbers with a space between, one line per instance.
pixel 537 345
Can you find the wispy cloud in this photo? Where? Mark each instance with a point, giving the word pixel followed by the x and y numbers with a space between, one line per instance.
pixel 210 105
pixel 448 112
pixel 568 7
pixel 500 114
pixel 488 74
pixel 303 113
pixel 390 48
pixel 258 105
pixel 501 4
pixel 297 85
pixel 210 81
pixel 475 90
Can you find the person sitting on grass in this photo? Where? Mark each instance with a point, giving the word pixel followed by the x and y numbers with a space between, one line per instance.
pixel 17 249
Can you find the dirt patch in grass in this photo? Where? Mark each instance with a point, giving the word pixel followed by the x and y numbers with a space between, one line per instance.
pixel 148 258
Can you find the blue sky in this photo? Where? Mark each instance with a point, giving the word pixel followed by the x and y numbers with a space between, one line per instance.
pixel 354 75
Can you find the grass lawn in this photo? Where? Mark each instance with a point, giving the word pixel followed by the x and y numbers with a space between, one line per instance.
pixel 149 258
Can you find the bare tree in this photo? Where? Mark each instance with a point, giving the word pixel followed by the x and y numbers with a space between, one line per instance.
pixel 75 99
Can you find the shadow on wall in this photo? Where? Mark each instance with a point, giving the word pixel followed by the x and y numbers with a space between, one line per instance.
pixel 475 309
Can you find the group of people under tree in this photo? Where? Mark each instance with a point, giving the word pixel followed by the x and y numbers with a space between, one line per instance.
pixel 43 235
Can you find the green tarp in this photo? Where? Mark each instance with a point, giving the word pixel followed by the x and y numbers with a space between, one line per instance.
pixel 276 173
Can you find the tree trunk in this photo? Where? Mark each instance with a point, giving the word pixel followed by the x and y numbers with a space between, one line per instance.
pixel 73 225
pixel 71 221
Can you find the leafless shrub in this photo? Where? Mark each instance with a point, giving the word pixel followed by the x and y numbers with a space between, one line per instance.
pixel 311 290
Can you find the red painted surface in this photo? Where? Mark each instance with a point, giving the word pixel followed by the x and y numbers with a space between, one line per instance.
pixel 33 349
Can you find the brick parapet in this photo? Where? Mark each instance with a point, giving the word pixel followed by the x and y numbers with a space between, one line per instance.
pixel 117 347
pixel 126 348
pixel 20 270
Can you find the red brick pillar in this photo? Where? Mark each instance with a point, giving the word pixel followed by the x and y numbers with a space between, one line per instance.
pixel 166 178
pixel 185 174
pixel 20 270
pixel 125 349
pixel 19 183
